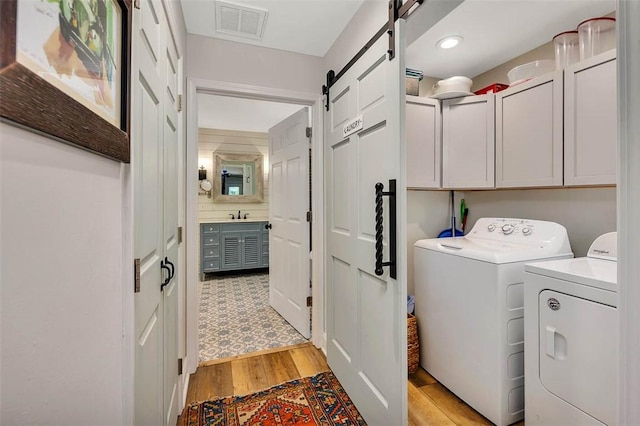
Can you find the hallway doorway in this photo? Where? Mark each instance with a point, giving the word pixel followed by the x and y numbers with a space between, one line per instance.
pixel 235 313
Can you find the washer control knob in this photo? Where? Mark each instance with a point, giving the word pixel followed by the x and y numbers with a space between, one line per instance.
pixel 507 228
pixel 526 231
pixel 491 227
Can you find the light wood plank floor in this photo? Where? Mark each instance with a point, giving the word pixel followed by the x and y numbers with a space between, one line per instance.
pixel 430 403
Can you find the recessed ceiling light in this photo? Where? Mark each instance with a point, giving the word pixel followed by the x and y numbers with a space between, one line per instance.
pixel 449 42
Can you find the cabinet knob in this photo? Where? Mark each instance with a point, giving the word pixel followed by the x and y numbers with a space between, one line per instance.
pixel 267 226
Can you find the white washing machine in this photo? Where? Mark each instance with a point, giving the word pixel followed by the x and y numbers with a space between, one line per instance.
pixel 571 338
pixel 469 306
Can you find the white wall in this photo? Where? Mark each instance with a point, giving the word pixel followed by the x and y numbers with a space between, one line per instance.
pixel 226 61
pixel 61 280
pixel 629 212
pixel 428 213
pixel 371 16
pixel 212 140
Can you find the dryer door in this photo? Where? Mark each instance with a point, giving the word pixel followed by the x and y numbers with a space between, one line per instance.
pixel 578 353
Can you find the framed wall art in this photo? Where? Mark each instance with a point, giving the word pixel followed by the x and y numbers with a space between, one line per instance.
pixel 65 70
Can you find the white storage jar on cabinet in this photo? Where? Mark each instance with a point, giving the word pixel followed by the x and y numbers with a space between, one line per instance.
pixel 468 142
pixel 590 121
pixel 529 133
pixel 424 156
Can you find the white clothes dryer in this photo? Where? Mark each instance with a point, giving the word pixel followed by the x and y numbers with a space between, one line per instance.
pixel 470 308
pixel 571 338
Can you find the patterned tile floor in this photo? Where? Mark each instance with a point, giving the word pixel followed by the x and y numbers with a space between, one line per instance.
pixel 236 318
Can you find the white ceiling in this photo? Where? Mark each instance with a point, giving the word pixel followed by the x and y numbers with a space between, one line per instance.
pixel 496 31
pixel 249 115
pixel 302 26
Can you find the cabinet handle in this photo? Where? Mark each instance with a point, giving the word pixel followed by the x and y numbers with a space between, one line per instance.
pixel 392 228
pixel 267 226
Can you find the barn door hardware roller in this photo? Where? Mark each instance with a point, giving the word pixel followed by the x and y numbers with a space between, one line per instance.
pixel 392 228
pixel 397 10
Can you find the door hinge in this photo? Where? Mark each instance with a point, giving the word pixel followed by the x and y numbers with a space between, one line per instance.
pixel 136 275
pixel 179 234
pixel 309 132
pixel 309 217
pixel 309 301
pixel 179 103
pixel 179 366
pixel 136 4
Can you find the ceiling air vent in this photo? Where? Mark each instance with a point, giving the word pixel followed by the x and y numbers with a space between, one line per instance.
pixel 242 21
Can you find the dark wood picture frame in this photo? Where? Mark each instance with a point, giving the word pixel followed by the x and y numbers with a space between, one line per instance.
pixel 28 100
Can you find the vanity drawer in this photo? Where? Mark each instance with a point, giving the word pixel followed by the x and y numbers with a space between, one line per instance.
pixel 210 265
pixel 210 251
pixel 210 239
pixel 210 228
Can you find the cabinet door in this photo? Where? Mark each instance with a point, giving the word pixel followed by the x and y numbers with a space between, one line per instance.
pixel 265 244
pixel 529 133
pixel 251 249
pixel 468 142
pixel 590 121
pixel 231 257
pixel 423 142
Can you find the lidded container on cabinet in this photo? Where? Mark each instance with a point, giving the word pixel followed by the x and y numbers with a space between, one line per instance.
pixel 596 35
pixel 566 48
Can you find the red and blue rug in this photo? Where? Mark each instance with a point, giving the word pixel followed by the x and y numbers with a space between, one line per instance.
pixel 317 400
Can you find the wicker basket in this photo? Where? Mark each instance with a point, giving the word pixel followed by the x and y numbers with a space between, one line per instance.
pixel 413 346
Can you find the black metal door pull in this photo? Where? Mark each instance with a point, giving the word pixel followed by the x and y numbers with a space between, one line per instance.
pixel 172 266
pixel 166 281
pixel 392 228
pixel 267 226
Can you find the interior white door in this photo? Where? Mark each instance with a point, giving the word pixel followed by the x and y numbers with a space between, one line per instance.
pixel 289 238
pixel 366 313
pixel 148 216
pixel 155 144
pixel 171 243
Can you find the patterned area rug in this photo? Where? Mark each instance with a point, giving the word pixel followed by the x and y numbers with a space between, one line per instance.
pixel 317 400
pixel 236 318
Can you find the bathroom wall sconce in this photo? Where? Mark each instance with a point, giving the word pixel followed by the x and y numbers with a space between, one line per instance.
pixel 205 184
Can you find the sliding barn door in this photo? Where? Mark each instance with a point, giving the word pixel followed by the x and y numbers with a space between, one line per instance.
pixel 366 312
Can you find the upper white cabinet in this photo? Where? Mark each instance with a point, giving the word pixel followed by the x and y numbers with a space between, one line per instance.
pixel 468 142
pixel 529 133
pixel 423 142
pixel 590 121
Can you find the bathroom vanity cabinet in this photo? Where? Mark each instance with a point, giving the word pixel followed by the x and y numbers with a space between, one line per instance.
pixel 232 246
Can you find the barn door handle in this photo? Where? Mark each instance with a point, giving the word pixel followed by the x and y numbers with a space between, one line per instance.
pixel 392 228
pixel 166 281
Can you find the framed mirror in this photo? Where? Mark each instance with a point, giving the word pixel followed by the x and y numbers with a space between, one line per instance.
pixel 238 178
